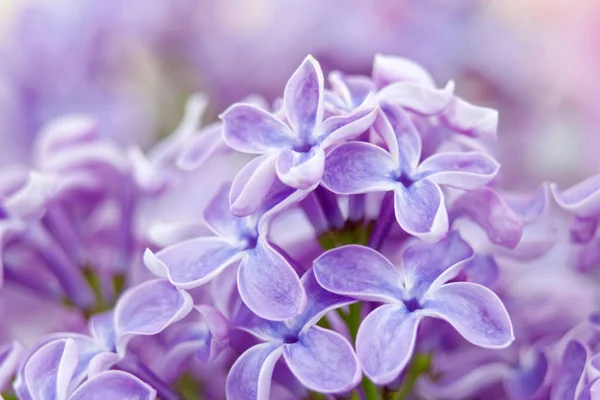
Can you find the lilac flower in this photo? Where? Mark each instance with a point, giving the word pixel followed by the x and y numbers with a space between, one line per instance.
pixel 293 148
pixel 320 359
pixel 386 337
pixel 48 374
pixel 267 281
pixel 418 199
pixel 406 83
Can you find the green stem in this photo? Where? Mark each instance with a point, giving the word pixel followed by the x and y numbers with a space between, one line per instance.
pixel 371 391
pixel 421 363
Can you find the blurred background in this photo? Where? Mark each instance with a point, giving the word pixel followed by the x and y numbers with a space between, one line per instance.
pixel 133 63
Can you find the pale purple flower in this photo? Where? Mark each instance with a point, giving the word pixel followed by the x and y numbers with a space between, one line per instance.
pixel 292 148
pixel 267 282
pixel 52 373
pixel 386 338
pixel 320 359
pixel 358 167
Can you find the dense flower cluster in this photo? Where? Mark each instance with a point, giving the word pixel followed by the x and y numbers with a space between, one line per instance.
pixel 345 242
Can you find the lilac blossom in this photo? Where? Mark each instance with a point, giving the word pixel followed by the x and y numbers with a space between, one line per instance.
pixel 267 281
pixel 419 204
pixel 292 146
pixel 320 359
pixel 420 290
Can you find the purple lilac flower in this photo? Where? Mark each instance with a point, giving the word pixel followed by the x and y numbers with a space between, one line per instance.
pixel 50 373
pixel 320 359
pixel 293 144
pixel 419 205
pixel 420 290
pixel 267 281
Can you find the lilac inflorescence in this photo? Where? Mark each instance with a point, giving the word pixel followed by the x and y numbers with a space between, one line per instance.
pixel 347 241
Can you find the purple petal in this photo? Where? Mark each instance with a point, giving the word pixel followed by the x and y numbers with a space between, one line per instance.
pixel 358 168
pixel 399 133
pixel 527 380
pixel 11 356
pixel 252 184
pixel 269 285
pixel 462 170
pixel 301 170
pixel 352 89
pixel 47 373
pixel 569 378
pixel 474 311
pixel 389 69
pixel 530 207
pixel 420 99
pixel 147 309
pixel 250 376
pixel 218 327
pixel 323 361
pixel 420 210
pixel 487 209
pixel 427 266
pixel 114 385
pixel 582 199
pixel 249 129
pixel 303 98
pixel 217 215
pixel 386 341
pixel 102 328
pixel 470 120
pixel 199 148
pixel 63 132
pixel 359 272
pixel 193 262
pixel 344 127
pixel 319 302
pixel 482 269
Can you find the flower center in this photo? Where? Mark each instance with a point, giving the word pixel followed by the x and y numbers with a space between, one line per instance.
pixel 405 180
pixel 290 339
pixel 412 304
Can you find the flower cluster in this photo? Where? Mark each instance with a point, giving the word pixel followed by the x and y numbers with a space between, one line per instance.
pixel 347 241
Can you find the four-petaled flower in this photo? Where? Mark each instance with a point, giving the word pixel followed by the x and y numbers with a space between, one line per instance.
pixel 359 167
pixel 386 338
pixel 292 149
pixel 267 282
pixel 321 359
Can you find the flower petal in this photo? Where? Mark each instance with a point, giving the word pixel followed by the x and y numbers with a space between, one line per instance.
pixel 303 98
pixel 474 311
pixel 201 147
pixel 426 266
pixel 389 69
pixel 418 98
pixel 463 170
pixel 11 356
pixel 528 378
pixel 420 210
pixel 193 262
pixel 399 133
pixel 323 361
pixel 301 170
pixel 250 376
pixel 252 184
pixel 249 129
pixel 358 168
pixel 269 285
pixel 470 120
pixel 48 371
pixel 344 127
pixel 487 209
pixel 582 199
pixel 359 272
pixel 114 385
pixel 569 377
pixel 319 302
pixel 482 269
pixel 385 342
pixel 219 218
pixel 147 309
pixel 218 327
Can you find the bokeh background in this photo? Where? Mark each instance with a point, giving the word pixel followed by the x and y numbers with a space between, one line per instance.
pixel 132 64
